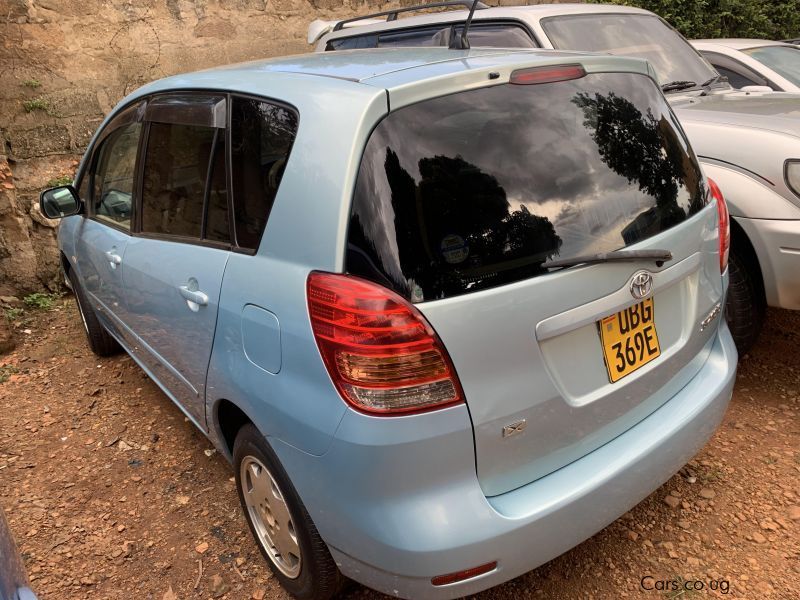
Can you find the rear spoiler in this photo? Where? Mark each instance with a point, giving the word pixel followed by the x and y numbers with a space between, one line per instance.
pixel 321 27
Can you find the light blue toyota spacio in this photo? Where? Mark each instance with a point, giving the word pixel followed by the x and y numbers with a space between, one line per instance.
pixel 447 312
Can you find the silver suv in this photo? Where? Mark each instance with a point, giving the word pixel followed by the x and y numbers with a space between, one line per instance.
pixel 749 143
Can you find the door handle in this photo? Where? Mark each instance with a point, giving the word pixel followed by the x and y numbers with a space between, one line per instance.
pixel 114 259
pixel 193 297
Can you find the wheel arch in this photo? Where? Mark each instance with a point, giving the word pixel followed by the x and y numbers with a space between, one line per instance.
pixel 228 419
pixel 741 244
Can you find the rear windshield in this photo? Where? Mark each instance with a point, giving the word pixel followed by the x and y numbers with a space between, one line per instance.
pixel 641 36
pixel 478 189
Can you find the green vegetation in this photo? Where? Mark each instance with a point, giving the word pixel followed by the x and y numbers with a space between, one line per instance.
pixel 6 371
pixel 36 104
pixel 769 19
pixel 12 314
pixel 61 180
pixel 41 300
pixel 32 83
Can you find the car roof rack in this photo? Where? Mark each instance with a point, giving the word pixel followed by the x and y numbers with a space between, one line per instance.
pixel 391 15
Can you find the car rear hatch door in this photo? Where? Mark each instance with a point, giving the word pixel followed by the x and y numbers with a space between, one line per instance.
pixel 463 200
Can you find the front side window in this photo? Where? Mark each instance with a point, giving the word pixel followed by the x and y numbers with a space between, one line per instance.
pixel 113 184
pixel 640 36
pixel 784 60
pixel 175 170
pixel 480 188
pixel 262 135
pixel 736 80
pixel 738 74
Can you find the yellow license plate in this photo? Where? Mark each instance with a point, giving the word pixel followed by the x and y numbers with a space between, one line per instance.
pixel 629 339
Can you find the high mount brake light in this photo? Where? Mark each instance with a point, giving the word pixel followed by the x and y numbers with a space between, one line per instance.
pixel 724 225
pixel 547 74
pixel 382 355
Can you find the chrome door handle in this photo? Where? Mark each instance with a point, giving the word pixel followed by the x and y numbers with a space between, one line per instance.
pixel 195 297
pixel 114 259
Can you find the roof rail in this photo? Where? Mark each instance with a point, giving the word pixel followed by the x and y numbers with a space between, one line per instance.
pixel 391 15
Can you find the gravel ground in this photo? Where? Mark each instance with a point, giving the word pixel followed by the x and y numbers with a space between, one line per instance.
pixel 111 493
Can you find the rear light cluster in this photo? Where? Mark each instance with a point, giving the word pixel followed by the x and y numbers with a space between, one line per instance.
pixel 382 355
pixel 724 225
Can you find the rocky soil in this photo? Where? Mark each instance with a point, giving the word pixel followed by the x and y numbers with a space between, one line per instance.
pixel 112 494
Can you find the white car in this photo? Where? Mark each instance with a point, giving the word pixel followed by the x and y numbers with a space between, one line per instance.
pixel 748 142
pixel 747 63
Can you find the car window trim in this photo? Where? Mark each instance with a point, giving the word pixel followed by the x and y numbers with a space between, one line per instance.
pixel 207 185
pixel 443 25
pixel 186 109
pixel 229 172
pixel 182 239
pixel 134 113
pixel 137 211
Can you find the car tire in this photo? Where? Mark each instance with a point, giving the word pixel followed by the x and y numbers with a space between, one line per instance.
pixel 745 306
pixel 313 575
pixel 100 341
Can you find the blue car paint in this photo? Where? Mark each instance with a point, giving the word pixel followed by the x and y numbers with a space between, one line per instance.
pixel 100 276
pixel 392 516
pixel 175 338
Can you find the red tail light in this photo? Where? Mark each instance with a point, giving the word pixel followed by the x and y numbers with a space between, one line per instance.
pixel 381 353
pixel 724 225
pixel 465 574
pixel 546 74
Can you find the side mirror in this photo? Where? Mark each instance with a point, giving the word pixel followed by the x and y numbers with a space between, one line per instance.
pixel 60 202
pixel 756 88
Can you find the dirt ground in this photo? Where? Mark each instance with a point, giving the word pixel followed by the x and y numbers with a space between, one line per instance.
pixel 111 493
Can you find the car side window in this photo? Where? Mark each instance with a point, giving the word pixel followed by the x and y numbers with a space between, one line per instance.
pixel 174 179
pixel 262 134
pixel 735 79
pixel 738 74
pixel 113 184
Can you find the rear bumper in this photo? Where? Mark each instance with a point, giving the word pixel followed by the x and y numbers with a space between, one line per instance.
pixel 777 245
pixel 393 531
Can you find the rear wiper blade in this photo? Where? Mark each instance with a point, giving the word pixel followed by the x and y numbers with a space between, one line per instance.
pixel 673 86
pixel 657 256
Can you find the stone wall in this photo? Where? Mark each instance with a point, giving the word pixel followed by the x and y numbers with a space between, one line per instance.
pixel 65 63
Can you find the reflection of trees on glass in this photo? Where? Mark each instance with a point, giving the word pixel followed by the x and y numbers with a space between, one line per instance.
pixel 456 200
pixel 644 150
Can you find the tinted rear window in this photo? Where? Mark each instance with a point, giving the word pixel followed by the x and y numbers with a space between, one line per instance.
pixel 497 35
pixel 478 189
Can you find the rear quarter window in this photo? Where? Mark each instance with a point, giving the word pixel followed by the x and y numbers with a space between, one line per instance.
pixel 262 135
pixel 478 189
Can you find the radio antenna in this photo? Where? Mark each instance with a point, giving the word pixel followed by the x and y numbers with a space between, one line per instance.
pixel 461 42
